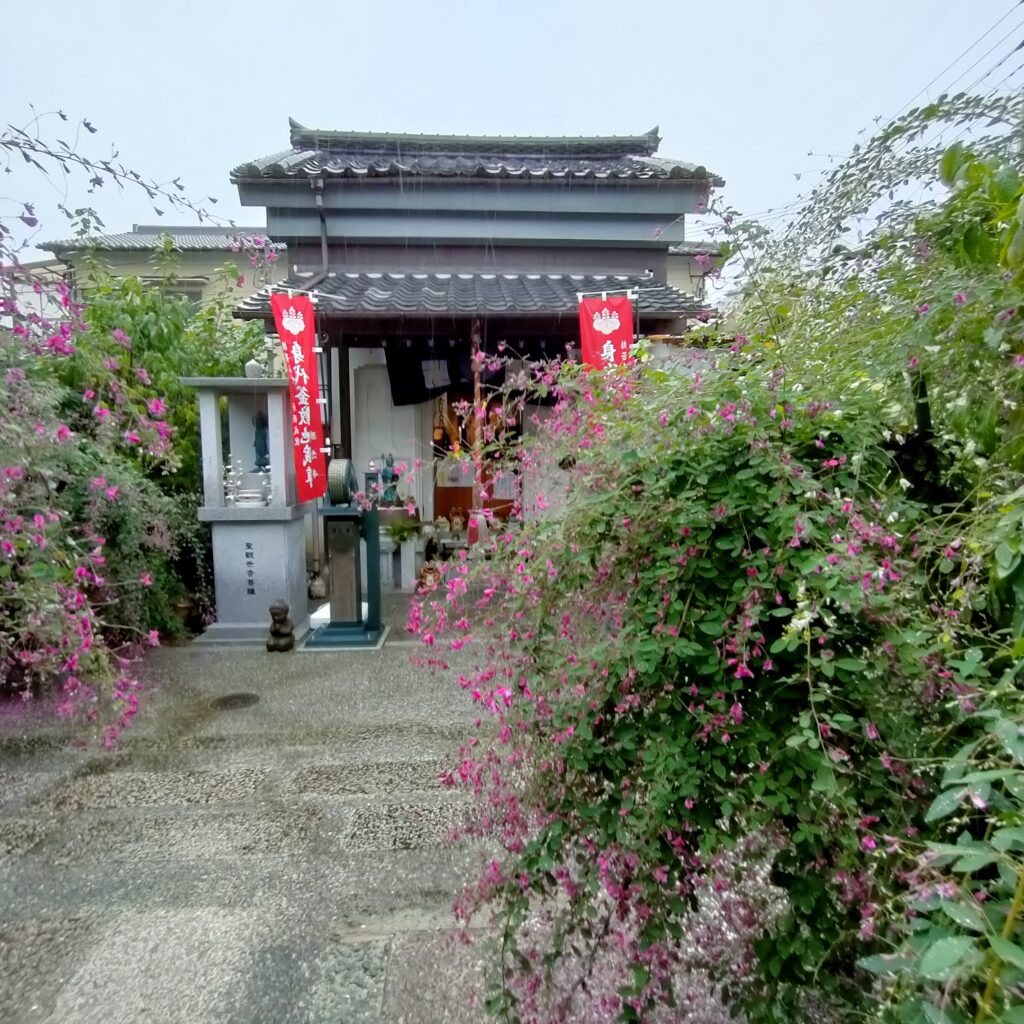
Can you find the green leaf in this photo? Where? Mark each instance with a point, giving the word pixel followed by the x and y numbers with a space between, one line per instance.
pixel 941 957
pixel 937 1015
pixel 974 861
pixel 946 803
pixel 950 163
pixel 850 664
pixel 1004 838
pixel 965 915
pixel 1007 950
pixel 896 963
pixel 824 780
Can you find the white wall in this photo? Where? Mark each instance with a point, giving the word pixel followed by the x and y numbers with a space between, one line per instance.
pixel 379 427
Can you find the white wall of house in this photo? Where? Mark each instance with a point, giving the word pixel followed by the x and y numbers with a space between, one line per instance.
pixel 379 427
pixel 19 285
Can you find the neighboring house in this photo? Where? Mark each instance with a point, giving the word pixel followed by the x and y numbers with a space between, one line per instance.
pixel 408 240
pixel 201 254
pixel 688 265
pixel 32 289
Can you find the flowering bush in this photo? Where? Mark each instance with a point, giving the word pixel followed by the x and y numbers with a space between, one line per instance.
pixel 722 633
pixel 81 529
pixel 99 459
pixel 778 600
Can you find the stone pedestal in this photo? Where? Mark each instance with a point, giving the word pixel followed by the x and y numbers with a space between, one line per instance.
pixel 269 543
pixel 387 563
pixel 409 566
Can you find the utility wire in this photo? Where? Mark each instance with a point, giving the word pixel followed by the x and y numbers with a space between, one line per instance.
pixel 956 60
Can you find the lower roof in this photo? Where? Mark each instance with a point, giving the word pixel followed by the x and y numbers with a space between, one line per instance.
pixel 360 294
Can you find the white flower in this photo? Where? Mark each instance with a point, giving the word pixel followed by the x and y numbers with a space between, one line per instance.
pixel 905 484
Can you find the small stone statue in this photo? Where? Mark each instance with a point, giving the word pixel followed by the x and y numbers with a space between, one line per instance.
pixel 389 480
pixel 261 441
pixel 282 629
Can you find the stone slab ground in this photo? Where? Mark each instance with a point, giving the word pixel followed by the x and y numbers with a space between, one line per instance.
pixel 282 863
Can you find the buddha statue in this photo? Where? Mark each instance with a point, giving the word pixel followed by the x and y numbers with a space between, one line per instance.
pixel 389 482
pixel 261 441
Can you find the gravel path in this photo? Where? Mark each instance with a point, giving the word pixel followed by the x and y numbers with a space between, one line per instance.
pixel 281 862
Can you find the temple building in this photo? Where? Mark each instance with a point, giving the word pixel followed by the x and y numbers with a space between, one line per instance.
pixel 413 244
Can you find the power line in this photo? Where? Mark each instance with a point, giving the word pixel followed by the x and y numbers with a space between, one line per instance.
pixel 998 64
pixel 994 46
pixel 956 60
pixel 947 68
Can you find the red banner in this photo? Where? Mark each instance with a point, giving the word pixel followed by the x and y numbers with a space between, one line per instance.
pixel 295 326
pixel 606 330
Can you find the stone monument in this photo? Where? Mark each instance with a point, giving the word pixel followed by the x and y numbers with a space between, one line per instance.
pixel 259 545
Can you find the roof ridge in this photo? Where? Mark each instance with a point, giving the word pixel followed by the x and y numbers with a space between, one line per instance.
pixel 303 137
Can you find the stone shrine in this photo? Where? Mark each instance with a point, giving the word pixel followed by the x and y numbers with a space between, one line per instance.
pixel 259 542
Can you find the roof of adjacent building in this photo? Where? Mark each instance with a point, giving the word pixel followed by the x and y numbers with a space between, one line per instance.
pixel 362 294
pixel 317 153
pixel 695 249
pixel 188 238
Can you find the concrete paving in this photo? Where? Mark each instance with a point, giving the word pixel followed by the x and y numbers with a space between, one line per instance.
pixel 285 862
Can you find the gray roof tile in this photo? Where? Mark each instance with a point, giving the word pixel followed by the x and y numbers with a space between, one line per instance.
pixel 149 237
pixel 332 154
pixel 361 294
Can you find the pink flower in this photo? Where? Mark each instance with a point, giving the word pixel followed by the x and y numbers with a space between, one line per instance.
pixel 959 299
pixel 89 395
pixel 8 548
pixel 153 639
pixel 101 412
pixel 131 437
pixel 872 731
pixel 63 433
pixel 156 406
pixel 923 308
pixel 868 842
pixel 146 579
pixel 111 493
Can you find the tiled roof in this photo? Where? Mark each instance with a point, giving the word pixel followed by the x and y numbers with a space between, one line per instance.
pixel 358 295
pixel 191 238
pixel 332 154
pixel 695 249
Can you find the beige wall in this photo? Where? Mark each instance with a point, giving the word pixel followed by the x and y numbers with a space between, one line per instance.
pixel 683 273
pixel 200 270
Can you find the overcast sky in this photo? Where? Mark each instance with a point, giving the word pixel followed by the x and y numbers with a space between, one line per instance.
pixel 745 87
